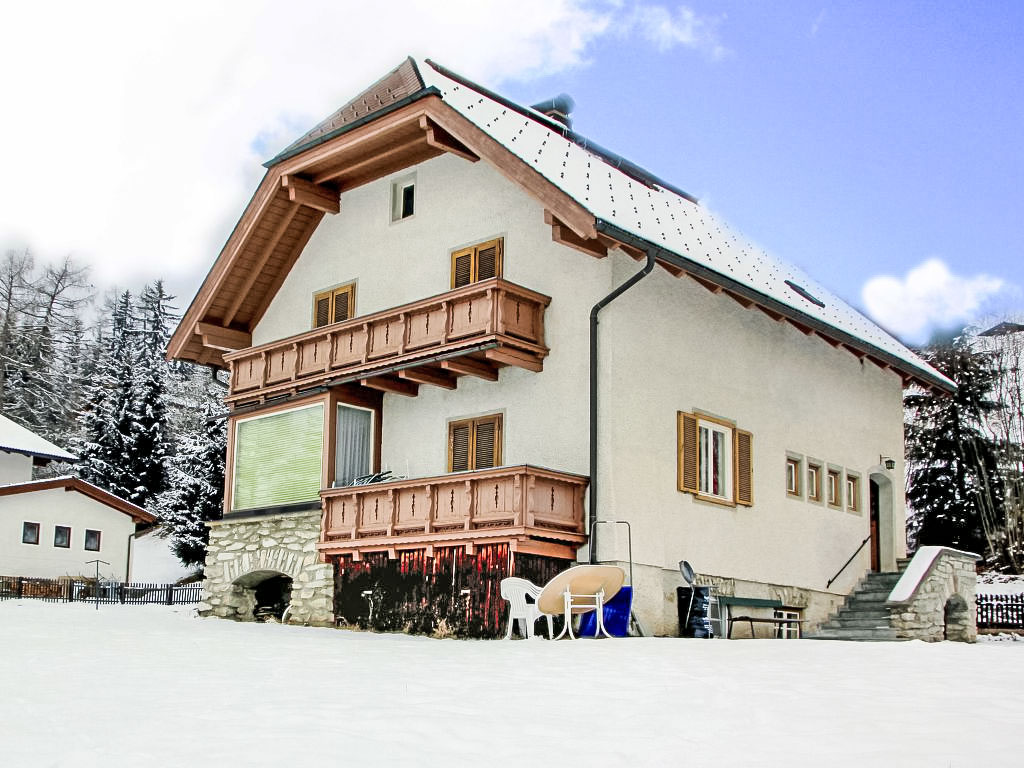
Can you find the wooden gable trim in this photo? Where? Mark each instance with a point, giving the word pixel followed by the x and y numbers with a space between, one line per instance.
pixel 86 489
pixel 563 235
pixel 312 195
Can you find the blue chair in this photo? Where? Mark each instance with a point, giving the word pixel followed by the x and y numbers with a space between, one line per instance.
pixel 616 616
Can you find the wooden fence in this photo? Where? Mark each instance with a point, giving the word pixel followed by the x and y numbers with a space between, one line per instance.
pixel 75 590
pixel 1000 611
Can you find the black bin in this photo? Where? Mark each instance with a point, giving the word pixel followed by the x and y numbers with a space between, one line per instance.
pixel 699 625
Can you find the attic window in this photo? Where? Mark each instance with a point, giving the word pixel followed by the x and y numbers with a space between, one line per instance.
pixel 806 294
pixel 403 198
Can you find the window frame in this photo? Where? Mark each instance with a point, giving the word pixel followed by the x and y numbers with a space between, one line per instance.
pixel 853 493
pixel 836 473
pixel 332 294
pixel 67 538
pixel 474 251
pixel 786 631
pixel 738 476
pixel 397 198
pixel 499 435
pixel 28 525
pixel 99 540
pixel 717 426
pixel 795 463
pixel 374 458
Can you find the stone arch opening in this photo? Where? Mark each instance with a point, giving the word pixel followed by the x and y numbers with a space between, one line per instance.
pixel 956 619
pixel 881 506
pixel 265 595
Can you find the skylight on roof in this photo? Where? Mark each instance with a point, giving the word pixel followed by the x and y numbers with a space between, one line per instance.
pixel 805 293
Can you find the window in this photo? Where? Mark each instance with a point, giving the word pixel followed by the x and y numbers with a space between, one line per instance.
pixel 30 533
pixel 787 631
pixel 354 444
pixel 793 476
pixel 835 491
pixel 334 306
pixel 403 198
pixel 62 536
pixel 852 492
pixel 476 263
pixel 813 482
pixel 278 458
pixel 715 459
pixel 92 540
pixel 474 443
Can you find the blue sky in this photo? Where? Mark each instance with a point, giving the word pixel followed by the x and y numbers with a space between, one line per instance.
pixel 878 145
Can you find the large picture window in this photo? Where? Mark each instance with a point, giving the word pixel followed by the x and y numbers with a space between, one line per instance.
pixel 715 459
pixel 278 458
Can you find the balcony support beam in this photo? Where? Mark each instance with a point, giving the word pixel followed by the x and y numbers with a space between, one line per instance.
pixel 396 386
pixel 426 375
pixel 469 367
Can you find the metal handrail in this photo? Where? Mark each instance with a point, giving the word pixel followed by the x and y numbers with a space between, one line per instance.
pixel 857 552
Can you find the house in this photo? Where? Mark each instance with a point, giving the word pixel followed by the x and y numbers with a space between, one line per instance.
pixel 416 286
pixel 51 528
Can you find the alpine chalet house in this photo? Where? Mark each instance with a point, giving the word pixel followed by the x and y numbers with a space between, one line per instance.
pixel 432 282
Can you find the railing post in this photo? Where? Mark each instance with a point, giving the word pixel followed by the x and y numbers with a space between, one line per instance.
pixel 21 588
pixel 120 592
pixel 170 594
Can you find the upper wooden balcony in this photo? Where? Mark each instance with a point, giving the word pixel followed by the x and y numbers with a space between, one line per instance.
pixel 473 330
pixel 537 511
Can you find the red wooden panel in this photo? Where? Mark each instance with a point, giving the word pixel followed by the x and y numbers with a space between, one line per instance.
pixel 469 315
pixel 426 328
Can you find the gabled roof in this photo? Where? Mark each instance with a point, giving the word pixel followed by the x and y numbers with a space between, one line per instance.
pixel 1003 329
pixel 69 483
pixel 14 438
pixel 594 200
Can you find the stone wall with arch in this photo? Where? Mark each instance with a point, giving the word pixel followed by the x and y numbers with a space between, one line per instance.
pixel 935 598
pixel 242 553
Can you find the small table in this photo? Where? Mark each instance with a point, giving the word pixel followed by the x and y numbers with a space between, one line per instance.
pixel 580 589
pixel 777 622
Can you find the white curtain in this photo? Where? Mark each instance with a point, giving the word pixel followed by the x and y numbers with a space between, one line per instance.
pixel 355 444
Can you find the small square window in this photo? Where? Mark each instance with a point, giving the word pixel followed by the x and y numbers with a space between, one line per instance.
pixel 62 536
pixel 813 482
pixel 835 490
pixel 793 476
pixel 30 533
pixel 403 199
pixel 787 627
pixel 92 540
pixel 852 493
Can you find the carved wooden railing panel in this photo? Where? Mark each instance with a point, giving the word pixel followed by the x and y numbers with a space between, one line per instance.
pixel 523 501
pixel 493 311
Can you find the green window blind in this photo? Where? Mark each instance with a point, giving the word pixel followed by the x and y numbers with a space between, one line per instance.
pixel 278 459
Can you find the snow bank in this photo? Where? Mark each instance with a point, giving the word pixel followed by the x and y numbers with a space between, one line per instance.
pixel 154 686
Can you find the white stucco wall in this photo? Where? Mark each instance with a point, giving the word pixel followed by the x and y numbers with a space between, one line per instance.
pixel 55 507
pixel 15 468
pixel 667 345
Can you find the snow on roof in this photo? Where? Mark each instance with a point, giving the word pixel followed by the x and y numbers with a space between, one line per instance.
pixel 14 438
pixel 665 217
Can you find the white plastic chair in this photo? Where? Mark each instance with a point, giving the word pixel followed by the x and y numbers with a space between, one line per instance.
pixel 515 590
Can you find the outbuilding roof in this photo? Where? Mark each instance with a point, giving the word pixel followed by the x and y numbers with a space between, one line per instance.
pixel 14 438
pixel 69 483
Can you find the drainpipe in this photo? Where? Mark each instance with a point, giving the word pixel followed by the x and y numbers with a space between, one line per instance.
pixel 648 267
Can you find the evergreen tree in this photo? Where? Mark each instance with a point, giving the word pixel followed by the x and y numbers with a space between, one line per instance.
pixel 196 493
pixel 950 457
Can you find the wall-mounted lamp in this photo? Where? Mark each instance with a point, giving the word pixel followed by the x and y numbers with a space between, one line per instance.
pixel 889 462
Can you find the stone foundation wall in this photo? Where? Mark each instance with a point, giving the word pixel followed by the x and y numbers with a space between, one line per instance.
pixel 245 552
pixel 936 600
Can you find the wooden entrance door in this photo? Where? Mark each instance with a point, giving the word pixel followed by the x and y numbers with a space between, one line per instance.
pixel 876 551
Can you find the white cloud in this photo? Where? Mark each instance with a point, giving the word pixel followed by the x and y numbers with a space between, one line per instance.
pixel 133 133
pixel 929 297
pixel 685 27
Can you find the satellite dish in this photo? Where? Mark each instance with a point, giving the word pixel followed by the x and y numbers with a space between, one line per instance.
pixel 688 576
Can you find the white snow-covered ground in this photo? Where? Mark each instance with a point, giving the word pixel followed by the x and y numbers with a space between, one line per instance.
pixel 153 686
pixel 1000 584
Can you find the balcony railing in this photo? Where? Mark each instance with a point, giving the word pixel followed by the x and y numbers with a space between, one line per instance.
pixel 538 511
pixel 470 330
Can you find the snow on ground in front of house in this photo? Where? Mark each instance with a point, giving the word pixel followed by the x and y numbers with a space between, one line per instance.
pixel 993 583
pixel 152 686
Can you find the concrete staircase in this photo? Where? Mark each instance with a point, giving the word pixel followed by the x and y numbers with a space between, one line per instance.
pixel 864 615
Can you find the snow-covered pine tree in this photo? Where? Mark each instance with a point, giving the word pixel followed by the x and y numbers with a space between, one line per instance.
pixel 949 455
pixel 196 492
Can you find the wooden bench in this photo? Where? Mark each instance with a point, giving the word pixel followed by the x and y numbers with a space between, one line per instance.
pixel 778 622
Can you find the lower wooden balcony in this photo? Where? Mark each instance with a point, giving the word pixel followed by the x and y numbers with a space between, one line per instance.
pixel 536 511
pixel 473 330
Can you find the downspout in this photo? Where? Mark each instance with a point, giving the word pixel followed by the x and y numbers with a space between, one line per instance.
pixel 648 267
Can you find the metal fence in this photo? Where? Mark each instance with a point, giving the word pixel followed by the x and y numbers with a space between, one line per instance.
pixel 74 590
pixel 1000 611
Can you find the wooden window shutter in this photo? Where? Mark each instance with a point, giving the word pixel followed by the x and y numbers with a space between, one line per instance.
pixel 488 260
pixel 744 468
pixel 462 267
pixel 487 442
pixel 343 304
pixel 321 309
pixel 459 434
pixel 687 437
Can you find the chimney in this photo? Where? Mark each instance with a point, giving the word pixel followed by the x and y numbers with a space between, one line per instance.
pixel 558 108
